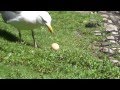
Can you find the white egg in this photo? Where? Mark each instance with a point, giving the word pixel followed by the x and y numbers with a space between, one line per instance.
pixel 55 46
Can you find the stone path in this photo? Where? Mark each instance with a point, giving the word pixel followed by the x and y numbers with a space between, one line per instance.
pixel 111 34
pixel 111 43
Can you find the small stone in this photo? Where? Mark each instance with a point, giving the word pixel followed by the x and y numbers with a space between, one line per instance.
pixel 114 49
pixel 105 24
pixel 117 37
pixel 111 28
pixel 107 50
pixel 110 38
pixel 105 19
pixel 118 22
pixel 113 41
pixel 114 33
pixel 97 33
pixel 118 41
pixel 91 12
pixel 105 44
pixel 118 51
pixel 117 12
pixel 105 15
pixel 110 21
pixel 114 18
pixel 114 61
pixel 103 12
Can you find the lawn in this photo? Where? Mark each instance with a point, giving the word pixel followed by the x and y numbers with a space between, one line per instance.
pixel 75 60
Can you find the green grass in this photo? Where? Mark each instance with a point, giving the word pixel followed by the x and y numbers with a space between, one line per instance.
pixel 75 59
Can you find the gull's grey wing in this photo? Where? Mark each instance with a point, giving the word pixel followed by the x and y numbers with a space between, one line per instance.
pixel 17 12
pixel 9 15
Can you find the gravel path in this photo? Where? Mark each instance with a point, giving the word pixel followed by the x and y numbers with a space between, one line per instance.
pixel 111 34
pixel 111 42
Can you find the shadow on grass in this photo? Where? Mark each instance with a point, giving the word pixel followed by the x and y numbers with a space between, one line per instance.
pixel 8 36
pixel 11 37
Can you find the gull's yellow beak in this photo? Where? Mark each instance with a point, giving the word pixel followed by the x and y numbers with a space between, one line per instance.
pixel 50 28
